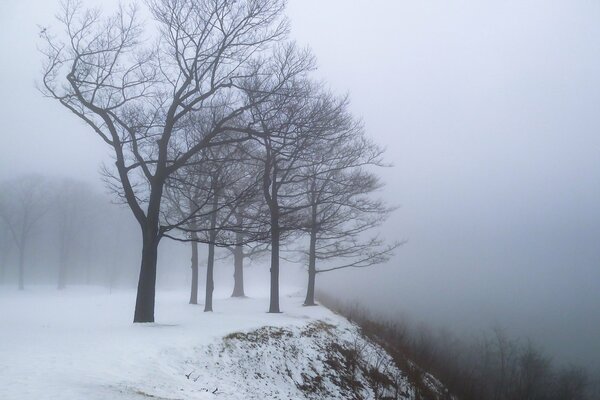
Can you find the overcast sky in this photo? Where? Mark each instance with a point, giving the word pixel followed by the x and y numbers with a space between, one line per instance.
pixel 490 112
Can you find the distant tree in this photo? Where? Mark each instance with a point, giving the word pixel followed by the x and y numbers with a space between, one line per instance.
pixel 138 98
pixel 192 208
pixel 280 78
pixel 216 189
pixel 249 237
pixel 187 194
pixel 203 198
pixel 72 202
pixel 339 208
pixel 5 241
pixel 571 383
pixel 240 253
pixel 307 131
pixel 23 202
pixel 286 124
pixel 534 375
pixel 218 180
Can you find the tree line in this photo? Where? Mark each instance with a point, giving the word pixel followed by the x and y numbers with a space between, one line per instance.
pixel 62 230
pixel 220 135
pixel 490 365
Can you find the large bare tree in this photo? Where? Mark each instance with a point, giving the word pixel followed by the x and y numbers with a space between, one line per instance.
pixel 137 86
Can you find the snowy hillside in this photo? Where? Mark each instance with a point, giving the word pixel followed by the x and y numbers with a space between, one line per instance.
pixel 77 344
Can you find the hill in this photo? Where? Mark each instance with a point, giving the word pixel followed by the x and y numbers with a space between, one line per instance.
pixel 80 343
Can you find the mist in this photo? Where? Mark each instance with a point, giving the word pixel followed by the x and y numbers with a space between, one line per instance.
pixel 489 116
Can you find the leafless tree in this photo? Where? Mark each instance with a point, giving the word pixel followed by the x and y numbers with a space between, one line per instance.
pixel 23 202
pixel 5 244
pixel 338 189
pixel 206 199
pixel 72 202
pixel 188 192
pixel 194 197
pixel 248 236
pixel 137 91
pixel 571 383
pixel 533 379
pixel 289 123
pixel 243 250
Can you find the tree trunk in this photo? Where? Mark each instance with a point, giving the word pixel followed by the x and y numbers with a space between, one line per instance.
pixel 270 192
pixel 146 291
pixel 312 270
pixel 194 288
pixel 238 268
pixel 210 265
pixel 151 235
pixel 274 302
pixel 194 260
pixel 210 283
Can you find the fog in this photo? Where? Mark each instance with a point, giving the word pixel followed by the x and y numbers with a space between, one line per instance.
pixel 489 113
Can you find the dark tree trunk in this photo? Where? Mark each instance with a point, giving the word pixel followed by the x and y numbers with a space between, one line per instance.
pixel 210 265
pixel 312 270
pixel 146 291
pixel 238 268
pixel 270 193
pixel 194 288
pixel 274 302
pixel 210 283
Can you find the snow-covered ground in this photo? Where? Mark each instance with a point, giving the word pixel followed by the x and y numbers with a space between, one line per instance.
pixel 80 344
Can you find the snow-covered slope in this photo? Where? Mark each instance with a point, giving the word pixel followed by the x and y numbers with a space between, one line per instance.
pixel 80 344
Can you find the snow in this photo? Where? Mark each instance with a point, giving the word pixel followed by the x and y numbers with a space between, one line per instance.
pixel 80 343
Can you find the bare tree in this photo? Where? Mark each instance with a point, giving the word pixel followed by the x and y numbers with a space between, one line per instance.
pixel 22 204
pixel 188 193
pixel 285 124
pixel 72 201
pixel 5 242
pixel 338 188
pixel 571 383
pixel 249 236
pixel 194 195
pixel 305 151
pixel 203 199
pixel 242 251
pixel 533 377
pixel 138 98
pixel 278 82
